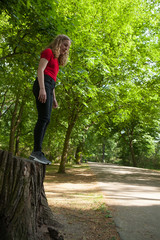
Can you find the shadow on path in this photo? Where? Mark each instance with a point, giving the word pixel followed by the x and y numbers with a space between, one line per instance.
pixel 134 194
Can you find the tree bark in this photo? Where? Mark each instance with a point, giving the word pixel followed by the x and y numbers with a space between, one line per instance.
pixel 17 143
pixel 13 129
pixel 103 152
pixel 65 149
pixel 71 124
pixel 78 155
pixel 16 120
pixel 134 162
pixel 24 211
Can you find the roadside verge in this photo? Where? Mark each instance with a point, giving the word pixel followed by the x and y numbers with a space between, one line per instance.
pixel 78 204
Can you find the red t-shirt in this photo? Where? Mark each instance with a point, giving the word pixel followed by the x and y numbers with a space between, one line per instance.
pixel 52 67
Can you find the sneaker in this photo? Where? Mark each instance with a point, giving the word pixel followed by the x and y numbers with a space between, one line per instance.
pixel 39 157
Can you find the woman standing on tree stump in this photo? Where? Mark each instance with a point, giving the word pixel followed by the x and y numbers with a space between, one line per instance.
pixel 55 55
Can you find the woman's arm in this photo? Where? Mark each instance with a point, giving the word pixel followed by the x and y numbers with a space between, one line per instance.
pixel 42 92
pixel 55 104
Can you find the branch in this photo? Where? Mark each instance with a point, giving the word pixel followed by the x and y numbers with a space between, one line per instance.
pixel 13 54
pixel 14 50
pixel 1 114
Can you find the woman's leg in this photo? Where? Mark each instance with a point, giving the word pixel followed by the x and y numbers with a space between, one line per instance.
pixel 50 111
pixel 44 113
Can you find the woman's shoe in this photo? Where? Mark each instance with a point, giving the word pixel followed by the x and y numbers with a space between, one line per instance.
pixel 39 157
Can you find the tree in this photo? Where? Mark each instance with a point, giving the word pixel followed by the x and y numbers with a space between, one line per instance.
pixel 114 49
pixel 24 211
pixel 24 30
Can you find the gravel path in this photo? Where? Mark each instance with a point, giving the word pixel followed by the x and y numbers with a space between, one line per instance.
pixel 134 195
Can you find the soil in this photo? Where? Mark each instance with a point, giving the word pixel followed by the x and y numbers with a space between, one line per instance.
pixel 78 204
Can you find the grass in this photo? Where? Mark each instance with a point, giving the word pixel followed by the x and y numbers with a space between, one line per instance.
pixel 53 168
pixel 104 209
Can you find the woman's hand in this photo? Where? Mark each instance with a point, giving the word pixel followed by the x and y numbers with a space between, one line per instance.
pixel 55 104
pixel 42 95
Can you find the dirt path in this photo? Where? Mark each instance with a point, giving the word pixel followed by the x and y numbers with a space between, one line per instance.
pixel 134 193
pixel 78 204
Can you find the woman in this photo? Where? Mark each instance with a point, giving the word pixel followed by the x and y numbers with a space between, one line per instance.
pixel 55 55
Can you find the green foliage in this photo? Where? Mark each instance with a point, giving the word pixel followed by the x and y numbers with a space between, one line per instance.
pixel 109 91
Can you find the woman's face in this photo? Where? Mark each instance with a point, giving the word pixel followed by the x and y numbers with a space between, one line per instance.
pixel 65 47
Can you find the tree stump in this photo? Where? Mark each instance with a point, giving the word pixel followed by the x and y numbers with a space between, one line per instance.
pixel 24 211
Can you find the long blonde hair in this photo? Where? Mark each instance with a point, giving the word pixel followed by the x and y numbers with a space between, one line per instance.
pixel 55 46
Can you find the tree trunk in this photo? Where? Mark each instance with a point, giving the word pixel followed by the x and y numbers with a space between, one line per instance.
pixel 78 155
pixel 134 162
pixel 16 120
pixel 24 211
pixel 65 149
pixel 17 142
pixel 103 152
pixel 13 123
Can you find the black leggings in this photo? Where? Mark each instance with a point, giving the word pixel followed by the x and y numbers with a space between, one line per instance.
pixel 44 111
